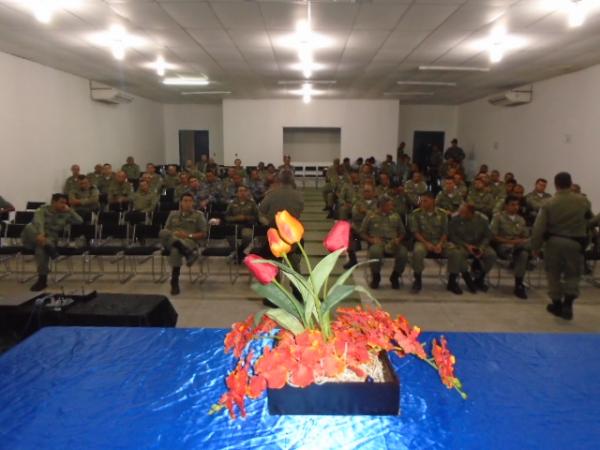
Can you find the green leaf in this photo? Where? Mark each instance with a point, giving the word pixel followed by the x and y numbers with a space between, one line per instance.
pixel 337 295
pixel 343 277
pixel 367 293
pixel 279 298
pixel 286 320
pixel 258 317
pixel 323 269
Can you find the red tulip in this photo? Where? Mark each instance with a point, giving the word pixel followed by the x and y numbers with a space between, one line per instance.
pixel 263 272
pixel 338 237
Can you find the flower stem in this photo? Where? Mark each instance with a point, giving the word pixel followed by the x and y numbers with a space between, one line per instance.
pixel 293 300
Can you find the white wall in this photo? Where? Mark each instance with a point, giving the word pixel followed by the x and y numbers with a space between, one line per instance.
pixel 312 145
pixel 558 131
pixel 48 122
pixel 193 117
pixel 253 129
pixel 426 118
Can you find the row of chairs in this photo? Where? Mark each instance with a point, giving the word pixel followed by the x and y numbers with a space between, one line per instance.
pixel 126 246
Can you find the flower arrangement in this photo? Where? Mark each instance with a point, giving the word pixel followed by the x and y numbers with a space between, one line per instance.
pixel 297 343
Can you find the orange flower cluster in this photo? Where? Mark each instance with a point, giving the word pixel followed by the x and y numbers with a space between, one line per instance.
pixel 300 360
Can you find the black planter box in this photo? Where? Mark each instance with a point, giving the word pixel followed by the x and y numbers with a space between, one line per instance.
pixel 364 398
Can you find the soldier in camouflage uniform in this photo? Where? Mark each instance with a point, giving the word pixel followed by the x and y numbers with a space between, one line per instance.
pixel 171 179
pixel 511 238
pixel 72 182
pixel 332 179
pixel 385 186
pixel 131 169
pixel 480 198
pixel 183 186
pixel 429 226
pixel 42 234
pixel 106 179
pixel 183 230
pixel 469 234
pixel 389 167
pixel 384 231
pixel 414 188
pixel 535 199
pixel 562 225
pixel 96 175
pixel 120 192
pixel 256 186
pixel 238 169
pixel 497 187
pixel 213 188
pixel 144 200
pixel 448 198
pixel 243 212
pixel 461 186
pixel 85 198
pixel 349 193
pixel 154 179
pixel 365 205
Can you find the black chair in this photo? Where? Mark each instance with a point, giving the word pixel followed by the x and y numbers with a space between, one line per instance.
pixel 34 205
pixel 112 242
pixel 217 211
pixel 219 245
pixel 12 249
pixel 168 206
pixel 136 217
pixel 109 218
pixel 146 246
pixel 169 195
pixel 24 217
pixel 160 218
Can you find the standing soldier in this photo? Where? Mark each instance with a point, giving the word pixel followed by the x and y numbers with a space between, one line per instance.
pixel 144 200
pixel 384 231
pixel 469 235
pixel 131 169
pixel 429 226
pixel 42 234
pixel 414 188
pixel 535 199
pixel 360 210
pixel 332 180
pixel 511 238
pixel 243 212
pixel 73 181
pixel 562 225
pixel 448 198
pixel 85 199
pixel 454 152
pixel 183 230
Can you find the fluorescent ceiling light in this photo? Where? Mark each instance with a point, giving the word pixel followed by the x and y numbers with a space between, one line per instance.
pixel 426 83
pixel 455 68
pixel 407 94
pixel 160 65
pixel 285 82
pixel 43 10
pixel 181 81
pixel 207 93
pixel 118 40
pixel 577 13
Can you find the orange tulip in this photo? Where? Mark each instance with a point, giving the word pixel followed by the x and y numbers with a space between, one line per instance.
pixel 278 246
pixel 290 228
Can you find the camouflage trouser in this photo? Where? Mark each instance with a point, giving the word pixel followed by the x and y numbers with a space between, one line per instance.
pixel 419 254
pixel 458 259
pixel 167 239
pixel 328 194
pixel 397 251
pixel 519 256
pixel 246 238
pixel 344 211
pixel 42 259
pixel 564 263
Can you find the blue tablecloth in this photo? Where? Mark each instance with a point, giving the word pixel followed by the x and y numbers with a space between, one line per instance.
pixel 142 388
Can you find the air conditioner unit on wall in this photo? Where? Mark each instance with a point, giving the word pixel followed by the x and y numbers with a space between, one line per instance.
pixel 107 94
pixel 512 98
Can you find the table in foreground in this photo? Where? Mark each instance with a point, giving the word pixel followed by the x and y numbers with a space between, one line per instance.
pixel 149 388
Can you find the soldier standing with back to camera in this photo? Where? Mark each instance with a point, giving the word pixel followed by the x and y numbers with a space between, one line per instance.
pixel 561 227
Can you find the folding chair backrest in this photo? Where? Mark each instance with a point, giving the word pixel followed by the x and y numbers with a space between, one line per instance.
pixel 260 231
pixel 14 230
pixel 110 231
pixel 85 230
pixel 166 205
pixel 135 217
pixel 160 218
pixel 34 205
pixel 24 217
pixel 109 218
pixel 143 231
pixel 219 232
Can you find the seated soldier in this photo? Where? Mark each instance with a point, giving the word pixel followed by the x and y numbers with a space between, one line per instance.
pixel 119 192
pixel 497 187
pixel 213 188
pixel 414 188
pixel 154 179
pixel 243 212
pixel 183 230
pixel 429 226
pixel 199 193
pixel 96 175
pixel 256 185
pixel 144 200
pixel 106 179
pixel 238 169
pixel 448 198
pixel 73 181
pixel 385 186
pixel 511 241
pixel 171 179
pixel 131 169
pixel 384 232
pixel 349 193
pixel 480 198
pixel 183 186
pixel 42 234
pixel 461 186
pixel 363 206
pixel 469 234
pixel 85 198
pixel 535 199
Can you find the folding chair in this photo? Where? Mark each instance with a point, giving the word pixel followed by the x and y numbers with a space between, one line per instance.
pixel 109 218
pixel 160 218
pixel 23 217
pixel 217 211
pixel 105 247
pixel 218 246
pixel 133 218
pixel 34 205
pixel 12 249
pixel 145 246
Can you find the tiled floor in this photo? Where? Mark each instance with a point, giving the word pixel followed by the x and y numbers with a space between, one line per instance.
pixel 218 302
